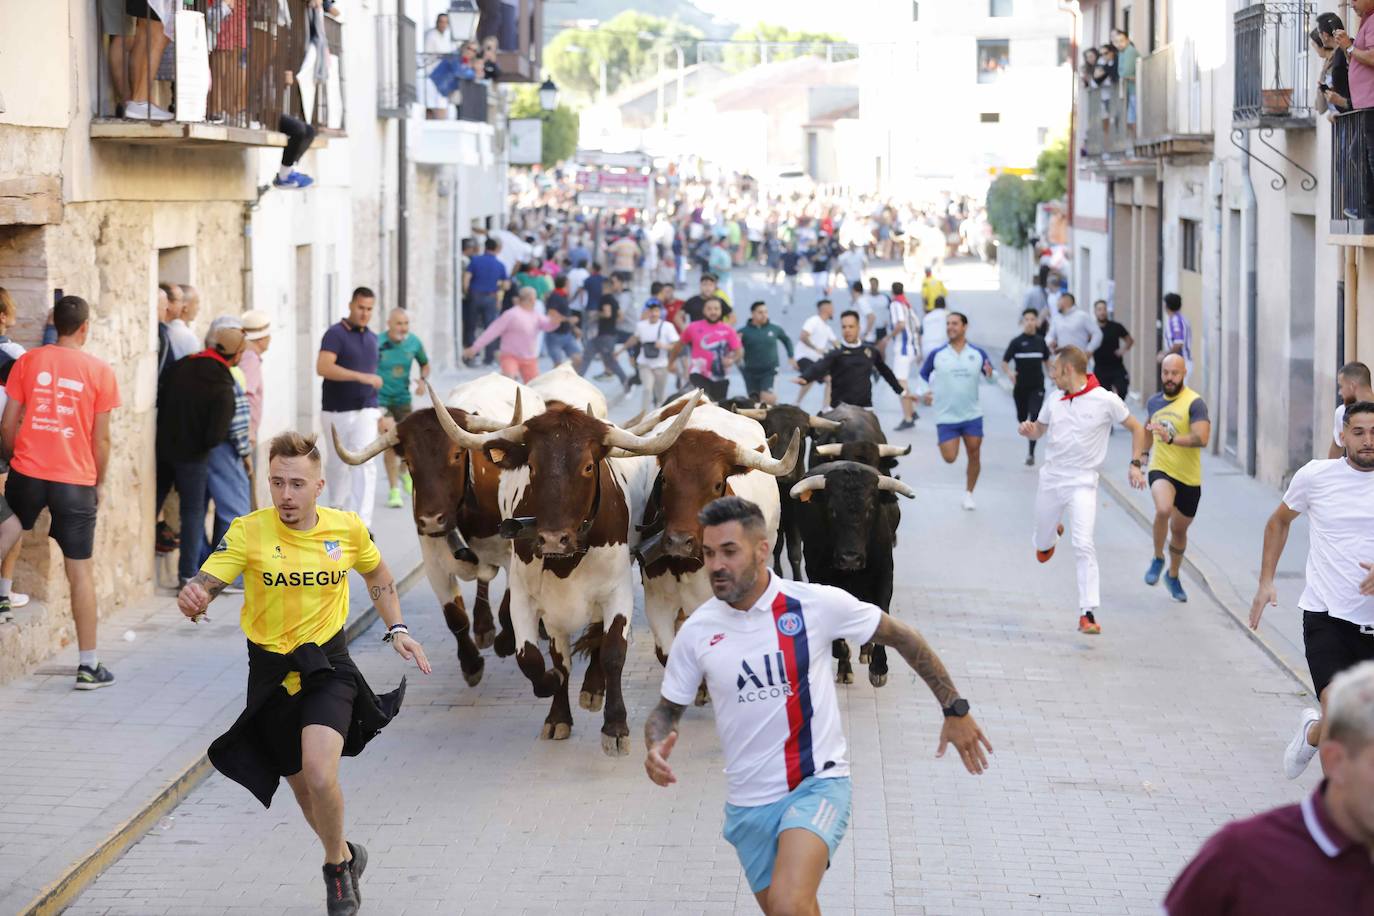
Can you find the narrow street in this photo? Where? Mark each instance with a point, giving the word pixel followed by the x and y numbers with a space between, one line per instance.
pixel 1114 756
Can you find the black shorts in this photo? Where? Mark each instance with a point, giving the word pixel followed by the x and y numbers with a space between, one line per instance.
pixel 1186 496
pixel 1028 403
pixel 325 699
pixel 72 507
pixel 1332 646
pixel 1114 380
pixel 140 9
pixel 716 389
pixel 803 364
pixel 624 276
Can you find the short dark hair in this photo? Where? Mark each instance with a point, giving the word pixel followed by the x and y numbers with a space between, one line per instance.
pixel 1356 372
pixel 362 292
pixel 715 299
pixel 560 282
pixel 729 509
pixel 1097 302
pixel 849 313
pixel 1329 23
pixel 823 302
pixel 708 276
pixel 898 287
pixel 758 305
pixel 857 286
pixel 69 314
pixel 492 244
pixel 654 288
pixel 961 316
pixel 1069 296
pixel 1030 311
pixel 596 268
pixel 1357 407
pixel 939 302
pixel 1173 301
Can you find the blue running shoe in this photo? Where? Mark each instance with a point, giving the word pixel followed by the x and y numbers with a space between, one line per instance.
pixel 1152 574
pixel 1175 588
pixel 293 182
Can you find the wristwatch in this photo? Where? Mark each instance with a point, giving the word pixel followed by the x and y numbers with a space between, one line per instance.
pixel 956 710
pixel 1135 463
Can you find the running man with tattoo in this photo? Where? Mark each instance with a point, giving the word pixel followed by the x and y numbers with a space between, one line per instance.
pixel 767 640
pixel 308 704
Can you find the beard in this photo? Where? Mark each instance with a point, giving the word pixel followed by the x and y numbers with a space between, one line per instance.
pixel 731 589
pixel 1363 461
pixel 1171 389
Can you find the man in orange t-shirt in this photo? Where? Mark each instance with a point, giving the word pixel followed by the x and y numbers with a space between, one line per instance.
pixel 56 432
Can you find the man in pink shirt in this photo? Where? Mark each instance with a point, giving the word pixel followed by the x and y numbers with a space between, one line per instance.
pixel 518 330
pixel 1360 51
pixel 715 348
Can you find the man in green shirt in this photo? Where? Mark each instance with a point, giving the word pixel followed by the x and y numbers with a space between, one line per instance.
pixel 1127 58
pixel 761 338
pixel 397 350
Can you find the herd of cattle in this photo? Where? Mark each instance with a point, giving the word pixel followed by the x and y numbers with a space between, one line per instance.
pixel 534 479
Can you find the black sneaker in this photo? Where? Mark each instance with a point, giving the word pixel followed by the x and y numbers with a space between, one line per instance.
pixel 906 424
pixel 357 865
pixel 88 678
pixel 340 893
pixel 166 539
pixel 6 610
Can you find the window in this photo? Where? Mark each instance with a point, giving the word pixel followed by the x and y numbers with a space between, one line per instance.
pixel 1041 135
pixel 993 56
pixel 990 117
pixel 1065 51
pixel 998 8
pixel 915 11
pixel 1190 245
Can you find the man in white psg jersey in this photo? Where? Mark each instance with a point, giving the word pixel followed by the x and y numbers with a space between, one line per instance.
pixel 762 644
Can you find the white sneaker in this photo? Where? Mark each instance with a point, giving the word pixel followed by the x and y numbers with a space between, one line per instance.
pixel 968 502
pixel 18 599
pixel 145 111
pixel 1299 752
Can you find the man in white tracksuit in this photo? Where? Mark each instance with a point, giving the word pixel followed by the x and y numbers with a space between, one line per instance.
pixel 1076 423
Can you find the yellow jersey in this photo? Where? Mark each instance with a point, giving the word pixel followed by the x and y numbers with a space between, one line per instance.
pixel 295 583
pixel 1177 414
pixel 932 288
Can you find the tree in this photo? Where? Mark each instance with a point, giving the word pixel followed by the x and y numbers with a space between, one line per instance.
pixel 628 45
pixel 558 136
pixel 743 57
pixel 1052 171
pixel 1011 209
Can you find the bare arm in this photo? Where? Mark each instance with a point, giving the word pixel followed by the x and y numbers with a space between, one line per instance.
pixel 1033 429
pixel 381 588
pixel 102 445
pixel 1200 432
pixel 197 594
pixel 1140 446
pixel 327 367
pixel 9 426
pixel 660 734
pixel 1275 539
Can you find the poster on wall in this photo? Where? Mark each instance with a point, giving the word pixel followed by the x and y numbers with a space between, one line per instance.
pixel 526 141
pixel 192 65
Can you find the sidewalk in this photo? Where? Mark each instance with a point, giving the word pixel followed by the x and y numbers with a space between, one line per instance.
pixel 86 774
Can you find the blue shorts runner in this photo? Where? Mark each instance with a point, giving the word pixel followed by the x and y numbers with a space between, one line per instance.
pixel 948 431
pixel 819 805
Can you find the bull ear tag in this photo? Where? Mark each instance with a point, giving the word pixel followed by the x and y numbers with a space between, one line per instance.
pixel 805 496
pixel 497 455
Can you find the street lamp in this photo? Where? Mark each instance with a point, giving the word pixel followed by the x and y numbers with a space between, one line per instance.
pixel 463 16
pixel 548 95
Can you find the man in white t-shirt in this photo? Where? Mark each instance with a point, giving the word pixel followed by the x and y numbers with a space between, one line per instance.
pixel 817 338
pixel 654 337
pixel 868 319
pixel 1075 425
pixel 1338 597
pixel 1354 383
pixel 852 264
pixel 763 647
pixel 934 330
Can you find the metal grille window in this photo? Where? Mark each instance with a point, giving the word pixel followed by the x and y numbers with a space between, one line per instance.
pixel 395 65
pixel 1190 245
pixel 1272 73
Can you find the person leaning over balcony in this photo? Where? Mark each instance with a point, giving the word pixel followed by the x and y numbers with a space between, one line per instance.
pixel 154 29
pixel 1360 52
pixel 438 43
pixel 1333 83
pixel 1127 61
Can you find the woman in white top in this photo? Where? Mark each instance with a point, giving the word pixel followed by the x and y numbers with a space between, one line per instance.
pixel 654 336
pixel 438 42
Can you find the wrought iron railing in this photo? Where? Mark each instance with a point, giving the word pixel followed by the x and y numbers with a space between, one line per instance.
pixel 396 73
pixel 1352 177
pixel 451 87
pixel 248 51
pixel 1103 114
pixel 1272 82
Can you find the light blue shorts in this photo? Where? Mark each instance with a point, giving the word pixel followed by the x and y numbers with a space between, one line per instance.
pixel 818 805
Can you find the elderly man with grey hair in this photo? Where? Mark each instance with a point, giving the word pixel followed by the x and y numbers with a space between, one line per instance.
pixel 227 481
pixel 1312 857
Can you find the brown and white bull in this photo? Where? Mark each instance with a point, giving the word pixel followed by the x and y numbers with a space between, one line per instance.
pixel 571 485
pixel 455 491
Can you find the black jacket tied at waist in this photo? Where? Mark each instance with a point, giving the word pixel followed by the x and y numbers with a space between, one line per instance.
pixel 245 755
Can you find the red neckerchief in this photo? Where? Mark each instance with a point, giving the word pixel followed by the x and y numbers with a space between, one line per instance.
pixel 1092 383
pixel 212 355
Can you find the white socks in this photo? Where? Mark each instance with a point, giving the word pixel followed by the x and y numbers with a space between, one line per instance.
pixel 89 659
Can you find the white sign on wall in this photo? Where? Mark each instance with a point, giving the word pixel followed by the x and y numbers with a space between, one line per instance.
pixel 526 141
pixel 193 65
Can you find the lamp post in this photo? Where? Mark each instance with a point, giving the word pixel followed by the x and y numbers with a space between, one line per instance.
pixel 462 17
pixel 548 95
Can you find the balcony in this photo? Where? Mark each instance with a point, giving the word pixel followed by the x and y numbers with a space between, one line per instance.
pixel 1352 182
pixel 227 80
pixel 396 72
pixel 1273 82
pixel 1175 120
pixel 450 88
pixel 518 30
pixel 1109 143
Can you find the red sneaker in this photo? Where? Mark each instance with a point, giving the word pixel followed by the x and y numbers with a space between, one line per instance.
pixel 1044 555
pixel 1088 627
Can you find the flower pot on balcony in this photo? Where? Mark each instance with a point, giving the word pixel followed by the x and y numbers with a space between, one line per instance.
pixel 1276 101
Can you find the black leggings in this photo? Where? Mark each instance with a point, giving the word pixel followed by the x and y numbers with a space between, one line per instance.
pixel 299 136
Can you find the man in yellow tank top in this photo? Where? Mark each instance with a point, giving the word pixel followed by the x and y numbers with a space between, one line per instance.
pixel 308 704
pixel 1181 428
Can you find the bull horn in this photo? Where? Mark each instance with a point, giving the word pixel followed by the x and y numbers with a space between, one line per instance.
pixel 807 485
pixel 517 415
pixel 386 440
pixel 632 444
pixel 829 450
pixel 465 438
pixel 887 451
pixel 893 485
pixel 753 413
pixel 476 424
pixel 761 461
pixel 824 425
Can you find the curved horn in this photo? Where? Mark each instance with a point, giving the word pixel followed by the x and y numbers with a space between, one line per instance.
pixel 652 445
pixel 517 416
pixel 383 442
pixel 465 438
pixel 829 450
pixel 893 485
pixel 761 461
pixel 807 485
pixel 475 424
pixel 887 451
pixel 753 413
pixel 824 425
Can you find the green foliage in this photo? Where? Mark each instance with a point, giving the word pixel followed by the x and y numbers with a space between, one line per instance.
pixel 1011 209
pixel 1052 170
pixel 744 57
pixel 558 137
pixel 574 56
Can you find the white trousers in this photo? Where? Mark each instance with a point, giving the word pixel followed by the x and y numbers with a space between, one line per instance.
pixel 1076 498
pixel 353 489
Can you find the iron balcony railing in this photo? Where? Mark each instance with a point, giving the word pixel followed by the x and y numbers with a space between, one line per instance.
pixel 396 71
pixel 1352 173
pixel 1103 114
pixel 1273 85
pixel 252 51
pixel 451 87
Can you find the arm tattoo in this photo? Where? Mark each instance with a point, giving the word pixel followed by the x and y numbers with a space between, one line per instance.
pixel 209 583
pixel 662 721
pixel 377 591
pixel 920 656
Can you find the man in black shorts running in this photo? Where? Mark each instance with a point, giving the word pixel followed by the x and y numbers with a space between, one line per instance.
pixel 1024 364
pixel 1337 602
pixel 1182 428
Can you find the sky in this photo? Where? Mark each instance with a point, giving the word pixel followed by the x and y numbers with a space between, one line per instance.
pixel 809 15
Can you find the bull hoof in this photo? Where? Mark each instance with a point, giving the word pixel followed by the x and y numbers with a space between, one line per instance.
pixel 591 701
pixel 474 677
pixel 555 731
pixel 865 654
pixel 614 746
pixel 703 697
pixel 485 639
pixel 504 644
pixel 844 677
pixel 876 679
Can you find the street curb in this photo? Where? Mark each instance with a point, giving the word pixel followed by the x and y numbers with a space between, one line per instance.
pixel 1207 572
pixel 58 895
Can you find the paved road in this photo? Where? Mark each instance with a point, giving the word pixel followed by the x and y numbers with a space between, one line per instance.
pixel 1114 756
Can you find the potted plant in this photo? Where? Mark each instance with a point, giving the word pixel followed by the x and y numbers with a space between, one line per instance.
pixel 1276 101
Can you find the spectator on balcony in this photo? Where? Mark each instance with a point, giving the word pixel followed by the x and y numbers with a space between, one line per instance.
pixel 114 23
pixel 299 136
pixel 1360 53
pixel 154 28
pixel 1334 82
pixel 1127 59
pixel 438 43
pixel 228 26
pixel 1088 72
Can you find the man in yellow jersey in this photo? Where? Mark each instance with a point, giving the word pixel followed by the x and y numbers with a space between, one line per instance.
pixel 308 703
pixel 1181 427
